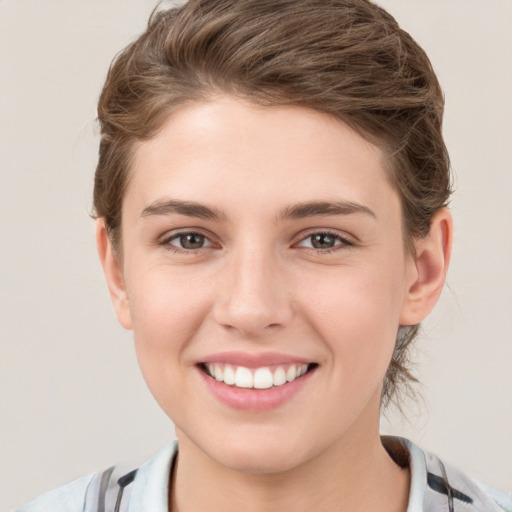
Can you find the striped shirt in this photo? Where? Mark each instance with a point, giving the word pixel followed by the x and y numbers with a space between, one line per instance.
pixel 435 486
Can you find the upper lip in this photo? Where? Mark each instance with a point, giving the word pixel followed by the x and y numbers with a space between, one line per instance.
pixel 254 360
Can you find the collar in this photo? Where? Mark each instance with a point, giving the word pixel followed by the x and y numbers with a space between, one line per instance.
pixel 396 446
pixel 150 486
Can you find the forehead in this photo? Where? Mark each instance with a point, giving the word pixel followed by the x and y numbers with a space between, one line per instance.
pixel 233 153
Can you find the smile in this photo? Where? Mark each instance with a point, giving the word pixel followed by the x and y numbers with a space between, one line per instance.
pixel 264 377
pixel 255 382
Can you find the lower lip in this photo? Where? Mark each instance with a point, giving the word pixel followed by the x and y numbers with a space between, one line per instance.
pixel 250 399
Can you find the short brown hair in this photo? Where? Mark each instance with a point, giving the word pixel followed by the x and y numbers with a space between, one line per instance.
pixel 347 58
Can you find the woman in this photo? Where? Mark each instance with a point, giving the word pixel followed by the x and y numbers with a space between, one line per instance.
pixel 271 218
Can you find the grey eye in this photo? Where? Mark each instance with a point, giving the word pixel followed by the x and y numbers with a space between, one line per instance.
pixel 191 241
pixel 323 241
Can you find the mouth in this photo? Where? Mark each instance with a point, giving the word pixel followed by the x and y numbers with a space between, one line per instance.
pixel 264 377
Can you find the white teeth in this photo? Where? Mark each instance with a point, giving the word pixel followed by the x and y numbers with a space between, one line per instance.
pixel 243 378
pixel 259 378
pixel 279 377
pixel 291 373
pixel 219 372
pixel 263 378
pixel 229 375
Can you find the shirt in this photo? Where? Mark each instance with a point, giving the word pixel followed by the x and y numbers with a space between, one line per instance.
pixel 435 486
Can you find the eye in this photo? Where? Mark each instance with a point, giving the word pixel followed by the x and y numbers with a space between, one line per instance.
pixel 324 240
pixel 188 241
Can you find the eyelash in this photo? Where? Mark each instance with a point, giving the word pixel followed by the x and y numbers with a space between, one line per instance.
pixel 166 242
pixel 345 243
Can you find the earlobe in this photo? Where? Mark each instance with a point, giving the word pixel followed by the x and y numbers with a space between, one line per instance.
pixel 113 271
pixel 430 267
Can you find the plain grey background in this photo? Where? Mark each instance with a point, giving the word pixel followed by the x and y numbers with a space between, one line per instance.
pixel 72 399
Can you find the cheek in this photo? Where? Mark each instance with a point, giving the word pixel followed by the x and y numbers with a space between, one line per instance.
pixel 165 305
pixel 167 310
pixel 357 315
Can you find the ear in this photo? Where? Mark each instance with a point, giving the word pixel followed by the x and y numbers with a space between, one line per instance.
pixel 113 270
pixel 428 269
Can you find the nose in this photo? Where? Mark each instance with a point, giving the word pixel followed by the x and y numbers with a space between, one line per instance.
pixel 253 297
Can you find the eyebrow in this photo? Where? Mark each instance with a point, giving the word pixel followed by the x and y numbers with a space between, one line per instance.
pixel 296 211
pixel 318 208
pixel 188 208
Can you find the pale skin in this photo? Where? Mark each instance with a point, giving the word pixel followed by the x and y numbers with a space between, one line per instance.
pixel 256 281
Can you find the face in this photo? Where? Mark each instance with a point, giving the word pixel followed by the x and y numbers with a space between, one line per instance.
pixel 264 275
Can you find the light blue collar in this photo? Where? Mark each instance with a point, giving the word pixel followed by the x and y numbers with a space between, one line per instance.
pixel 150 487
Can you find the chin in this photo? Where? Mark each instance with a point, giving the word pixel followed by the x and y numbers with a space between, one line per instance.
pixel 262 451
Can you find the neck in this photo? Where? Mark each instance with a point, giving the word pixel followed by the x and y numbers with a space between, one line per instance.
pixel 355 474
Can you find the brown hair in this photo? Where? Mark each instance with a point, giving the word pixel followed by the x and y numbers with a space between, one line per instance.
pixel 348 58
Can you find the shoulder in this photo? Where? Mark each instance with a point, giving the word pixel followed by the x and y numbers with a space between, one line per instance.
pixel 67 498
pixel 448 482
pixel 116 488
pixel 437 486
